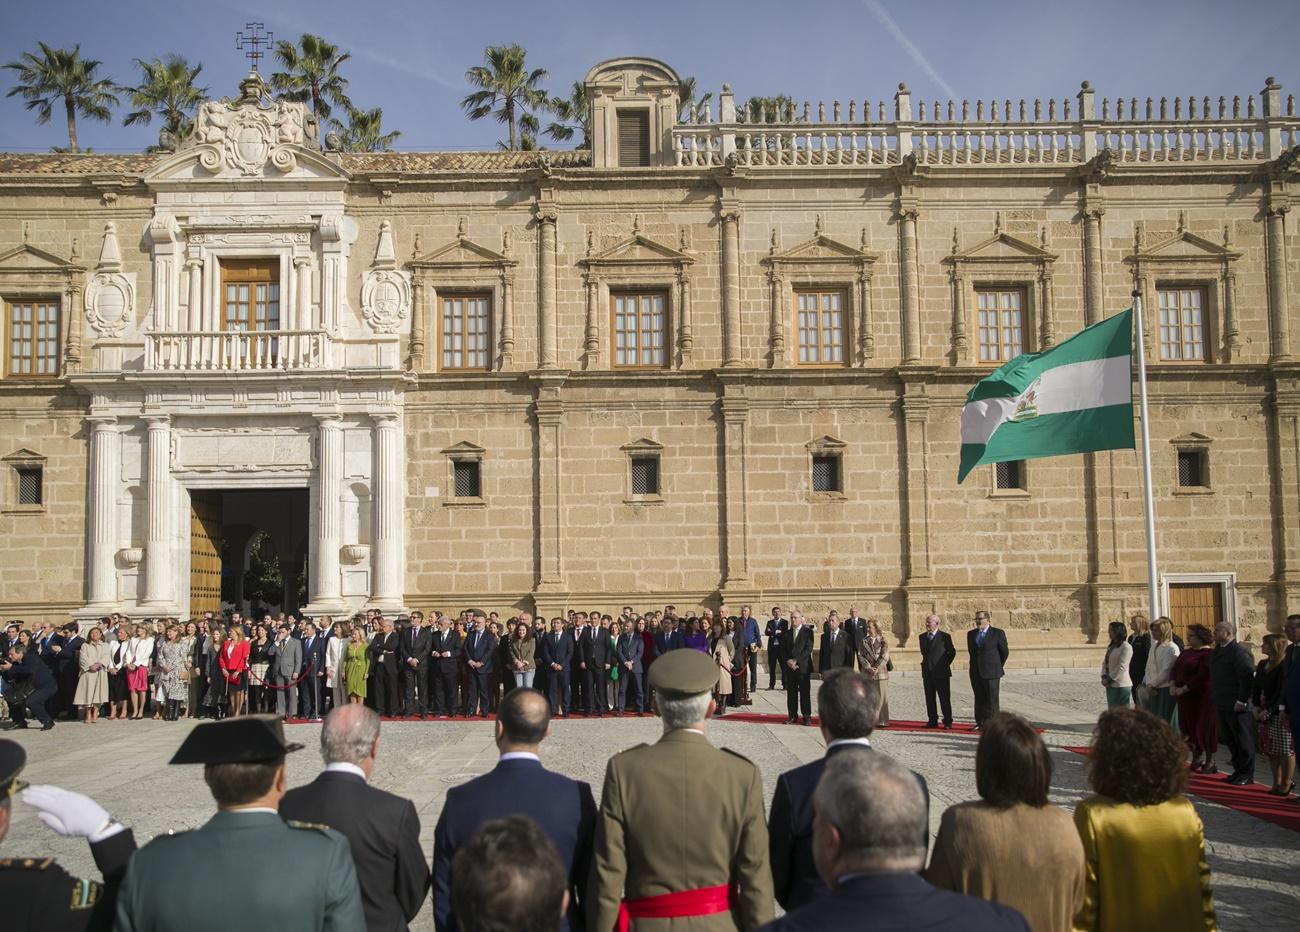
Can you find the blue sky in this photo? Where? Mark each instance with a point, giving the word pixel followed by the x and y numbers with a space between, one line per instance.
pixel 409 56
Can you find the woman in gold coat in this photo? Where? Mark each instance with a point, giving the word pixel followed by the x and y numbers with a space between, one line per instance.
pixel 1143 843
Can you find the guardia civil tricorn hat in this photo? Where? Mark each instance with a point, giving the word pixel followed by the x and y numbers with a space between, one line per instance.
pixel 13 758
pixel 245 740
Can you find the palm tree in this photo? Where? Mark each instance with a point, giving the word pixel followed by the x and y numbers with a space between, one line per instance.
pixel 364 131
pixel 60 74
pixel 311 74
pixel 167 89
pixel 573 114
pixel 507 90
pixel 686 94
pixel 769 109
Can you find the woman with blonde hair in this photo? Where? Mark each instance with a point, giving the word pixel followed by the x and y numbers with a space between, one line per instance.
pixel 356 666
pixel 1274 737
pixel 1158 677
pixel 873 660
pixel 234 666
pixel 722 647
pixel 93 661
pixel 139 653
pixel 118 694
pixel 215 698
pixel 335 648
pixel 171 662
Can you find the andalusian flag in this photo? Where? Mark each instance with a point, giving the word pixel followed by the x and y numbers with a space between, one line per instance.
pixel 1076 397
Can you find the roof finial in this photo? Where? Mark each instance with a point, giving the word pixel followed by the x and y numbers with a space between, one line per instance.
pixel 997 224
pixel 817 227
pixel 415 247
pixel 591 243
pixel 27 232
pixel 505 242
pixel 956 242
pixel 636 224
pixel 462 227
pixel 1182 222
pixel 772 247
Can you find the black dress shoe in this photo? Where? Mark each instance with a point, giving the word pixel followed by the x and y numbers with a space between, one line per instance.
pixel 931 724
pixel 1241 779
pixel 791 721
pixel 19 725
pixel 48 725
pixel 948 725
pixel 807 720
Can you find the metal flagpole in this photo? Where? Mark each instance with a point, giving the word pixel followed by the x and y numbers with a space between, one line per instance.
pixel 1153 587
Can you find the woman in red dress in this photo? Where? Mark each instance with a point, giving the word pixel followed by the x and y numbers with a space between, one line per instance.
pixel 234 666
pixel 1189 681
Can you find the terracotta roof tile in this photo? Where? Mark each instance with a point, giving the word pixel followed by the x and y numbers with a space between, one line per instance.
pixel 462 161
pixel 57 163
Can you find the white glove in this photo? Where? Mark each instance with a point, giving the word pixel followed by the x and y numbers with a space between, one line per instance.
pixel 70 814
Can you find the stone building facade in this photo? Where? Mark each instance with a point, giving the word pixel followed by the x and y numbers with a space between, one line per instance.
pixel 703 360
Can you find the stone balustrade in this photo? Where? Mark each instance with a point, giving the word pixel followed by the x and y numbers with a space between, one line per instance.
pixel 993 132
pixel 238 350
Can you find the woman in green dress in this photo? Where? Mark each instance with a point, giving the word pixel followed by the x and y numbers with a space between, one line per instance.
pixel 356 666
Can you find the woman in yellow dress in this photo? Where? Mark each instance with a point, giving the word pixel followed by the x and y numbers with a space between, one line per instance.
pixel 1143 843
pixel 356 666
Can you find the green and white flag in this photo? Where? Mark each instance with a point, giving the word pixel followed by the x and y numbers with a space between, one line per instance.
pixel 1076 397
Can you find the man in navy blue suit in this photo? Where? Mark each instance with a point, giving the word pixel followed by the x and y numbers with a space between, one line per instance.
pixel 520 785
pixel 313 668
pixel 480 651
pixel 555 654
pixel 869 842
pixel 847 703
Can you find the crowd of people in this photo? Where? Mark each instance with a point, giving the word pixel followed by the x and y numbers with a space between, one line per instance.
pixel 439 666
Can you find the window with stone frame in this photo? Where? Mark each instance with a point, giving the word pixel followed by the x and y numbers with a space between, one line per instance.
pixel 1000 319
pixel 826 473
pixel 464 474
pixel 1193 469
pixel 826 478
pixel 467 480
pixel 466 331
pixel 639 326
pixel 633 138
pixel 1009 476
pixel 1181 319
pixel 250 294
pixel 25 480
pixel 820 326
pixel 33 328
pixel 644 472
pixel 645 475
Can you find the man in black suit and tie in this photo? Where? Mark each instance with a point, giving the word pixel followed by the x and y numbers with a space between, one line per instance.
pixel 556 653
pixel 988 654
pixel 798 670
pixel 628 653
pixel 777 631
pixel 313 671
pixel 384 649
pixel 937 655
pixel 855 626
pixel 602 658
pixel 834 651
pixel 480 655
pixel 869 843
pixel 444 677
pixel 417 644
pixel 847 704
pixel 583 663
pixel 520 785
pixel 383 830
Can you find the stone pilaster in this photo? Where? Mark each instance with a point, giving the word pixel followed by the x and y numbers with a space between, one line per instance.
pixel 685 334
pixel 419 322
pixel 302 293
pixel 507 321
pixel 1279 322
pixel 908 286
pixel 194 287
pixel 548 409
pixel 325 594
pixel 777 312
pixel 158 570
pixel 591 339
pixel 72 349
pixel 1093 311
pixel 546 219
pixel 1286 506
pixel 387 494
pixel 735 427
pixel 915 407
pixel 731 353
pixel 105 468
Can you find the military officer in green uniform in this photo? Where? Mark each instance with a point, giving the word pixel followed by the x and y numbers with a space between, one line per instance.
pixel 696 860
pixel 37 894
pixel 246 868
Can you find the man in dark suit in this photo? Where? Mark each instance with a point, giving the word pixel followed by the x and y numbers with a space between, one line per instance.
pixel 444 676
pixel 988 653
pixel 937 655
pixel 602 658
pixel 24 664
pixel 417 644
pixel 855 626
pixel 834 651
pixel 667 638
pixel 1231 677
pixel 313 671
pixel 798 670
pixel 628 653
pixel 480 655
pixel 384 648
pixel 583 661
pixel 382 829
pixel 847 704
pixel 67 670
pixel 556 652
pixel 869 842
pixel 777 631
pixel 519 785
pixel 1291 677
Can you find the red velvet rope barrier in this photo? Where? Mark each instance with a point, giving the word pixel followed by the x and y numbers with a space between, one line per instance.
pixel 301 677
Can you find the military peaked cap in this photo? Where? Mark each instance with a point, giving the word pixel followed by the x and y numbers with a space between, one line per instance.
pixel 684 671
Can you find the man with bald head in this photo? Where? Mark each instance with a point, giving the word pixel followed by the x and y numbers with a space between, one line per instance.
pixel 519 785
pixel 937 655
pixel 382 829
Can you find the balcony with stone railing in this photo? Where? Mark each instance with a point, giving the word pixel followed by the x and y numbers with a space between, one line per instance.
pixel 239 351
pixel 1000 133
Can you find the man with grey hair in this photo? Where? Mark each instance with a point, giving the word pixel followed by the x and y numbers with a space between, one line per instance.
pixel 382 829
pixel 869 843
pixel 698 858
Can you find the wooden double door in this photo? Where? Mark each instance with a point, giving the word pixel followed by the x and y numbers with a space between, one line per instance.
pixel 1195 604
pixel 205 552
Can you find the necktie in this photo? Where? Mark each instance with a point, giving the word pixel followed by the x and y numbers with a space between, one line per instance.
pixel 979 638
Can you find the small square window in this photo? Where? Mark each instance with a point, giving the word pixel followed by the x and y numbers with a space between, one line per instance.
pixel 31 485
pixel 1009 475
pixel 1193 472
pixel 467 479
pixel 826 473
pixel 645 475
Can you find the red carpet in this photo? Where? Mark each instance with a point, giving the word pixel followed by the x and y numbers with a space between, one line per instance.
pixel 1253 799
pixel 771 718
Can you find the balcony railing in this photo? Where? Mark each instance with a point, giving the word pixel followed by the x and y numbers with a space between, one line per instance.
pixel 238 351
pixel 1005 133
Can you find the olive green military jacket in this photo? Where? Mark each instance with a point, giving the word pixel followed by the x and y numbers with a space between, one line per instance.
pixel 243 870
pixel 681 815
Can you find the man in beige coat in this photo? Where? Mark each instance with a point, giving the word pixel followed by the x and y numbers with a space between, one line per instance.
pixel 694 860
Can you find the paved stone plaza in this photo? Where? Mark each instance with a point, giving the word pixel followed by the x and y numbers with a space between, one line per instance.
pixel 1256 882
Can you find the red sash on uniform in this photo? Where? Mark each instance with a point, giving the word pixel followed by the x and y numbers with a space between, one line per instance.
pixel 683 905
